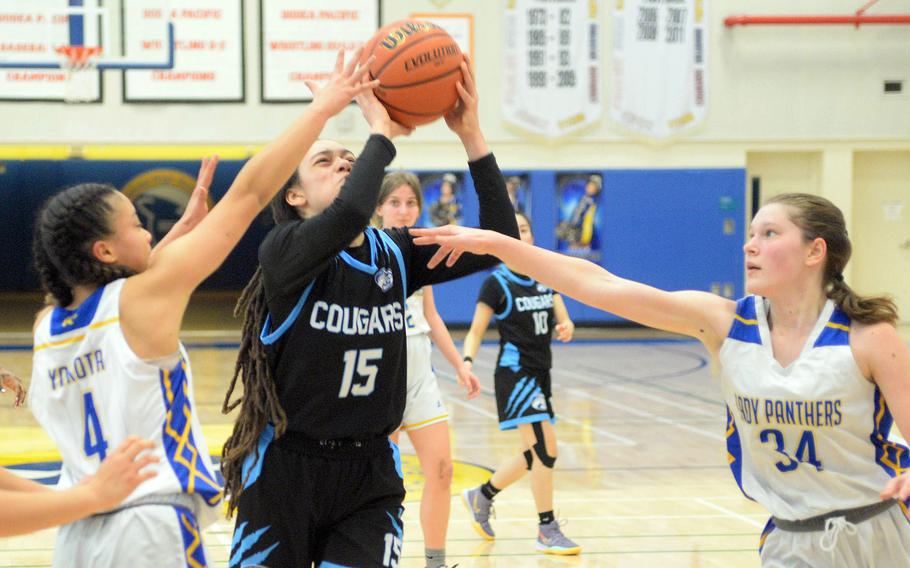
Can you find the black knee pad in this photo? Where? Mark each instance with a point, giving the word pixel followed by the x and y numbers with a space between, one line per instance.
pixel 529 458
pixel 540 447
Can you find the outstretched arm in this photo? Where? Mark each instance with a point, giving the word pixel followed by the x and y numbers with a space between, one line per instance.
pixel 196 208
pixel 698 314
pixel 153 302
pixel 29 506
pixel 443 340
pixel 496 211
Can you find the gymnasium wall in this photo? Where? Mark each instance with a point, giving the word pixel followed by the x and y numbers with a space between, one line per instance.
pixel 654 225
pixel 801 108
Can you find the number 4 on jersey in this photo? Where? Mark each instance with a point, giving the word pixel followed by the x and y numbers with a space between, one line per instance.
pixel 94 437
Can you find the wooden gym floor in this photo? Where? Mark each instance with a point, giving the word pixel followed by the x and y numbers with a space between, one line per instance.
pixel 641 480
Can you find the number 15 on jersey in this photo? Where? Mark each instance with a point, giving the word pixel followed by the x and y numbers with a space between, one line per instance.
pixel 361 362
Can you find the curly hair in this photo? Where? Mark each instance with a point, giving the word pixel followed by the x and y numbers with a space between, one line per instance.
pixel 67 226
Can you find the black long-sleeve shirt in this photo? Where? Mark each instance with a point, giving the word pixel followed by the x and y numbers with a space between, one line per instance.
pixel 340 364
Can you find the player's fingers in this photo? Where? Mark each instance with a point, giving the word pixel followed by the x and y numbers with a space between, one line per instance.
pixel 136 446
pixel 890 488
pixel 339 61
pixel 352 64
pixel 202 166
pixel 467 71
pixel 146 460
pixel 453 258
pixel 146 475
pixel 423 241
pixel 464 94
pixel 438 256
pixel 358 75
pixel 312 87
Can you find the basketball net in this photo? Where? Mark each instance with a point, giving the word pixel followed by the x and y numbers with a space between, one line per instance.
pixel 80 64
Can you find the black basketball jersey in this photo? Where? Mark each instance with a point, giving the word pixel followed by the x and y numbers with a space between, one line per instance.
pixel 336 333
pixel 524 313
pixel 340 357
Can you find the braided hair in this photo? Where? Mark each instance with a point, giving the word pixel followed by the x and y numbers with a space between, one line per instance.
pixel 259 403
pixel 819 218
pixel 68 224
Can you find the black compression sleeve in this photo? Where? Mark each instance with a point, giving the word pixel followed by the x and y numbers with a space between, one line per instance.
pixel 293 253
pixel 496 213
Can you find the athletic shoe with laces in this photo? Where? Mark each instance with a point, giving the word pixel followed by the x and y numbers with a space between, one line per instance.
pixel 550 540
pixel 479 507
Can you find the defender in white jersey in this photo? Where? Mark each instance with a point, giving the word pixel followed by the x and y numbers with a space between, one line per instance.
pixel 85 369
pixel 425 415
pixel 813 374
pixel 107 362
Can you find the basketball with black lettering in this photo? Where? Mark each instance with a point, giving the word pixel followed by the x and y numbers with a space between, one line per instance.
pixel 417 64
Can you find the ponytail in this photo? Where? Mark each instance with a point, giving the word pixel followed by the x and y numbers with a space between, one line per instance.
pixel 864 309
pixel 819 218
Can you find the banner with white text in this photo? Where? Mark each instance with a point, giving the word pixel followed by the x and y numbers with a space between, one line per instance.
pixel 301 39
pixel 660 66
pixel 551 66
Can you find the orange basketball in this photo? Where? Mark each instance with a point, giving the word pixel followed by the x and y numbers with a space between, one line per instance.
pixel 417 64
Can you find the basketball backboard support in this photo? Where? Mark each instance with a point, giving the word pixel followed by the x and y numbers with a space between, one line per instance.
pixel 37 34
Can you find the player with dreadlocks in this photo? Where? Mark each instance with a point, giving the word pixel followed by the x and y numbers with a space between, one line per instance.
pixel 309 467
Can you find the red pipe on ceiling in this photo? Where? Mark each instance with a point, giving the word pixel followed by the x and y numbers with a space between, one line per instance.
pixel 856 20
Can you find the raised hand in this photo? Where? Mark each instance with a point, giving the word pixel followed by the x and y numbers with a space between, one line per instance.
pixel 464 120
pixel 898 488
pixel 121 472
pixel 198 206
pixel 344 84
pixel 377 116
pixel 10 382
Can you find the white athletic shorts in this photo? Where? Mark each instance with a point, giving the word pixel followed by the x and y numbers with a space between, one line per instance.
pixel 144 536
pixel 424 405
pixel 879 542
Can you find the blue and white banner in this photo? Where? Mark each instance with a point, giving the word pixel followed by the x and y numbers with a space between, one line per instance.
pixel 660 66
pixel 551 84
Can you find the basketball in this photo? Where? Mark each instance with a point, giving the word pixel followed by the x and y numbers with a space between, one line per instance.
pixel 417 64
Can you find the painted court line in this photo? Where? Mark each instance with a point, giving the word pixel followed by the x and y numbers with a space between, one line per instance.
pixel 731 514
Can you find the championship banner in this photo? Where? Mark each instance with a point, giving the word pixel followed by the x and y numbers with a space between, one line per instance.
pixel 29 31
pixel 551 66
pixel 300 41
pixel 659 65
pixel 208 60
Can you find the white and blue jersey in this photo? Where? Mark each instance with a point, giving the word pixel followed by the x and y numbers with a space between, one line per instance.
pixel 90 391
pixel 812 437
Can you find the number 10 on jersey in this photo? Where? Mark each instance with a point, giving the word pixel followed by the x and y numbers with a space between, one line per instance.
pixel 361 361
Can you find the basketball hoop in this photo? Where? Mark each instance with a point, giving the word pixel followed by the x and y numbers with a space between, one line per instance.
pixel 80 63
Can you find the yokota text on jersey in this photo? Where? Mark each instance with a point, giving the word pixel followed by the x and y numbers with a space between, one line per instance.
pixel 355 320
pixel 82 367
